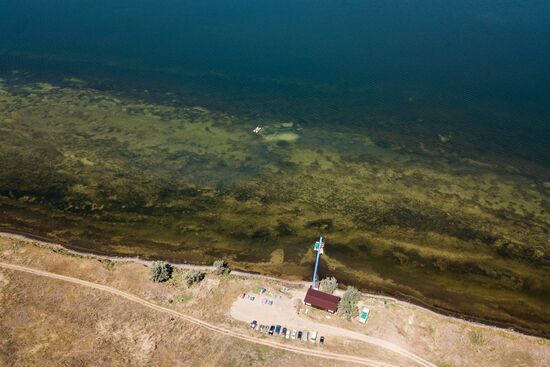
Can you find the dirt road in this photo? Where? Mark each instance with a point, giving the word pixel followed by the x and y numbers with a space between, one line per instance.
pixel 333 330
pixel 228 332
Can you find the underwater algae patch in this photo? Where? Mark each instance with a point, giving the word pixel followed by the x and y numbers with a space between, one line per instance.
pixel 110 173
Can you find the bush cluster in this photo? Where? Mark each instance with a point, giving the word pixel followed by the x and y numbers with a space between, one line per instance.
pixel 161 271
pixel 329 285
pixel 220 267
pixel 348 304
pixel 193 276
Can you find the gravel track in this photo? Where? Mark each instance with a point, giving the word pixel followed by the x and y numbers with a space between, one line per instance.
pixel 218 329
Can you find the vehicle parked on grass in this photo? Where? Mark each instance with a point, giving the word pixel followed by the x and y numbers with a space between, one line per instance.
pixel 257 327
pixel 305 335
pixel 270 303
pixel 364 315
pixel 271 330
pixel 287 335
pixel 242 295
pixel 253 324
pixel 293 336
pixel 322 340
pixel 313 337
pixel 278 329
pixel 299 335
pixel 283 333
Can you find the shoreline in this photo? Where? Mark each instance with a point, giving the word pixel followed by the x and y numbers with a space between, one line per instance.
pixel 21 236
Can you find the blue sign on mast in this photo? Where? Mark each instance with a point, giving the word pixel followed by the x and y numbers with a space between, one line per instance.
pixel 319 245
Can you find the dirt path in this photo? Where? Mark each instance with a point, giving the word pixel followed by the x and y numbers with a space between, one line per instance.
pixel 333 330
pixel 231 333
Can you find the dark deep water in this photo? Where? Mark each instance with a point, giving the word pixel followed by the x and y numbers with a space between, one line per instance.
pixel 352 55
pixel 488 56
pixel 425 123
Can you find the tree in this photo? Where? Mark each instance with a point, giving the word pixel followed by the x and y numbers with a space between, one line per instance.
pixel 220 267
pixel 347 307
pixel 161 271
pixel 193 276
pixel 329 285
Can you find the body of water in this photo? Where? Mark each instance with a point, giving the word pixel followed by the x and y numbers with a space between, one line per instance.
pixel 415 135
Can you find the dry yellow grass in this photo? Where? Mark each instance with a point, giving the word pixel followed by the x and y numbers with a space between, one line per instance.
pixel 45 322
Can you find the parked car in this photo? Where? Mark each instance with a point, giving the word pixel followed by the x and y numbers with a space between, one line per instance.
pixel 253 324
pixel 305 335
pixel 277 329
pixel 270 302
pixel 313 337
pixel 258 326
pixel 364 315
pixel 262 290
pixel 299 336
pixel 252 298
pixel 293 336
pixel 287 335
pixel 264 301
pixel 242 295
pixel 271 329
pixel 283 333
pixel 322 340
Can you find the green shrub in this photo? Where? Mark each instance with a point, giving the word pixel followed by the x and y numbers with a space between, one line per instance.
pixel 220 267
pixel 161 271
pixel 329 285
pixel 347 307
pixel 476 338
pixel 193 276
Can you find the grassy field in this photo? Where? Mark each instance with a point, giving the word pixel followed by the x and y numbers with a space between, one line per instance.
pixel 50 323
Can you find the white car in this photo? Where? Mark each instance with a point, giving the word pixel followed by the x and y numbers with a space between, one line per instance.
pixel 287 336
pixel 293 336
pixel 364 315
pixel 304 336
pixel 313 337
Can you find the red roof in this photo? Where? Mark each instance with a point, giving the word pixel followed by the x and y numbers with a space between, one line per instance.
pixel 321 300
